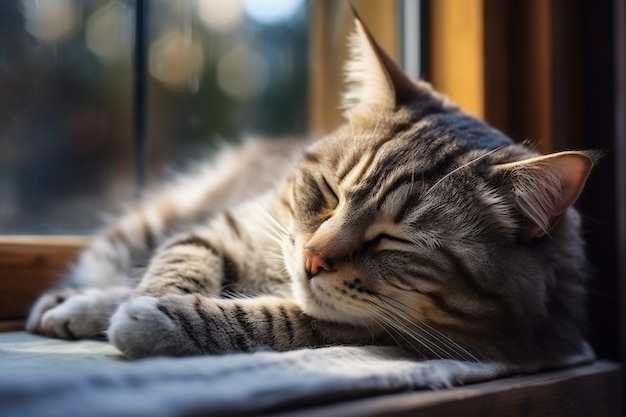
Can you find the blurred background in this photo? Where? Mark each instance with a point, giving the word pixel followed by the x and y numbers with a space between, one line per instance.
pixel 215 71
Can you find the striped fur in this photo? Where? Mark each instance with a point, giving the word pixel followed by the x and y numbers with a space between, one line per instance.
pixel 413 224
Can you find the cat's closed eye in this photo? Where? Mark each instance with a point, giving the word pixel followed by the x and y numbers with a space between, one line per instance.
pixel 332 199
pixel 385 241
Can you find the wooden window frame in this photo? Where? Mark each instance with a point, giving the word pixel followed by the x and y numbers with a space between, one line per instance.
pixel 29 264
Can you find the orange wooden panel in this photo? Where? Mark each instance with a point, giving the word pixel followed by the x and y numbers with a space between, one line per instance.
pixel 456 61
pixel 29 265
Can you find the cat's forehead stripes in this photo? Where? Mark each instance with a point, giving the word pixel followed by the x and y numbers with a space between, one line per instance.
pixel 355 167
pixel 357 162
pixel 347 164
pixel 385 175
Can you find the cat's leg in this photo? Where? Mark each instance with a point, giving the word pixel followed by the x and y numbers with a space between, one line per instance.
pixel 102 278
pixel 229 255
pixel 192 325
pixel 189 263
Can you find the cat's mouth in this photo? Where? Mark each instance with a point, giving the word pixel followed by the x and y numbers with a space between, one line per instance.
pixel 327 300
pixel 335 295
pixel 326 290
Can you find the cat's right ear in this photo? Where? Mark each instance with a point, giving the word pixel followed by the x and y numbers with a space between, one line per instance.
pixel 546 186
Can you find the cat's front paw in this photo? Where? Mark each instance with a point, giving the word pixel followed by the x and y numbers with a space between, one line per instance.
pixel 69 314
pixel 145 326
pixel 45 303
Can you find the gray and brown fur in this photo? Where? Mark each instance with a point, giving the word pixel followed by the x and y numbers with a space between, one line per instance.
pixel 412 224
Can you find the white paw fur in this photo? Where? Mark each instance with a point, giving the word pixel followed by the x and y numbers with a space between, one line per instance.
pixel 138 328
pixel 45 303
pixel 76 317
pixel 75 314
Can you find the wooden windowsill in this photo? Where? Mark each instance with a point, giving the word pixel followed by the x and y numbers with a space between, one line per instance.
pixel 28 266
pixel 591 390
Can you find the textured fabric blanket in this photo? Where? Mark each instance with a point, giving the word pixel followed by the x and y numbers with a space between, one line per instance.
pixel 48 377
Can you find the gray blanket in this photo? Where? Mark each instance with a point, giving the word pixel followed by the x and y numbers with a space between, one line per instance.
pixel 47 377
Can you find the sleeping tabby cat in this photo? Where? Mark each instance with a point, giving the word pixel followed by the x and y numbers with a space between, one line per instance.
pixel 413 224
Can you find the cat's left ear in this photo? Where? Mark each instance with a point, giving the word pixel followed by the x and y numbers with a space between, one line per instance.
pixel 546 186
pixel 377 83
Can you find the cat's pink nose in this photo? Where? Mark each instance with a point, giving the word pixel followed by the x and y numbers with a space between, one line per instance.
pixel 314 264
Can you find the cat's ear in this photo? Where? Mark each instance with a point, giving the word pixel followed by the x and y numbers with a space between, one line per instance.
pixel 546 186
pixel 376 83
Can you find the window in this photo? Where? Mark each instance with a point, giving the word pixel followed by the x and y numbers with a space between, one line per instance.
pixel 214 71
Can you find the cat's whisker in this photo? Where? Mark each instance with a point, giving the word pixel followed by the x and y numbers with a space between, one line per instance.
pixel 273 220
pixel 435 337
pixel 270 228
pixel 433 331
pixel 416 330
pixel 272 250
pixel 424 327
pixel 411 326
pixel 274 230
pixel 374 315
pixel 272 257
pixel 449 174
pixel 406 334
pixel 271 231
pixel 273 226
pixel 365 324
pixel 387 323
pixel 277 240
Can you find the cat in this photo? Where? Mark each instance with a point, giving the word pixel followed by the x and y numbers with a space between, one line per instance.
pixel 413 224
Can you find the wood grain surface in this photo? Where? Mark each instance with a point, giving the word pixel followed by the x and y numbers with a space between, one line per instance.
pixel 29 265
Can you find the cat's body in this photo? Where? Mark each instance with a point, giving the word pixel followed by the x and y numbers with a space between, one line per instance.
pixel 413 224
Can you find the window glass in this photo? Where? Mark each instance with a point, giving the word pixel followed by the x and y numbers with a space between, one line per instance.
pixel 216 71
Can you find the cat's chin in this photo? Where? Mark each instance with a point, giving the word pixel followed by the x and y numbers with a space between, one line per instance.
pixel 319 298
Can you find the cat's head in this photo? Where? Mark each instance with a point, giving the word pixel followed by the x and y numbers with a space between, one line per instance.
pixel 420 219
